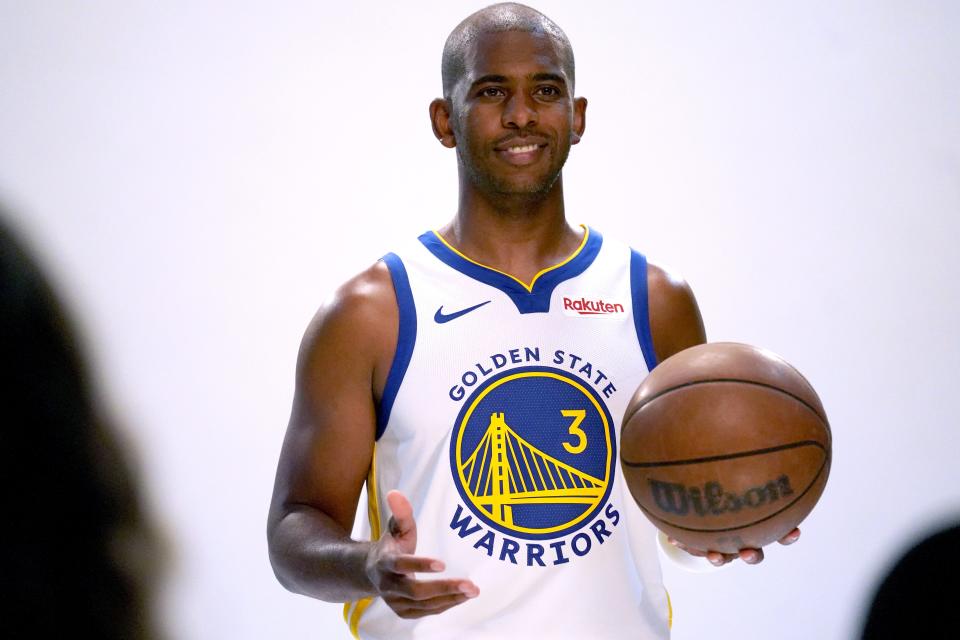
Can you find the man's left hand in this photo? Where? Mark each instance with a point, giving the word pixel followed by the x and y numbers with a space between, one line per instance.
pixel 750 556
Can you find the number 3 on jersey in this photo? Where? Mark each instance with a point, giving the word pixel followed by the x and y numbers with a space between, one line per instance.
pixel 578 416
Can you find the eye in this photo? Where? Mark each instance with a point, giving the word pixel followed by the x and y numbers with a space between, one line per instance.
pixel 549 91
pixel 490 92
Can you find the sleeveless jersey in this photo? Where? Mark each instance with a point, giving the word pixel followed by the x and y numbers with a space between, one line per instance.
pixel 500 422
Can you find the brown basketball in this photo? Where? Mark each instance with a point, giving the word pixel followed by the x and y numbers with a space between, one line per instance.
pixel 725 446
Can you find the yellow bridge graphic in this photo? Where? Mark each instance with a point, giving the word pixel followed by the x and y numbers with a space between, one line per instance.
pixel 505 470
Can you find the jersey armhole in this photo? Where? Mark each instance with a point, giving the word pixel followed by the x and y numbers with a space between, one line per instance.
pixel 641 307
pixel 406 338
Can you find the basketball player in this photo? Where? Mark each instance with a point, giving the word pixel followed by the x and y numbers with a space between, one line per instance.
pixel 475 380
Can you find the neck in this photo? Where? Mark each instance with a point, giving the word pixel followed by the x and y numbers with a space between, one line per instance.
pixel 519 234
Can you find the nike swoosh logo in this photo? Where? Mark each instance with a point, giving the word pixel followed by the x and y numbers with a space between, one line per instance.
pixel 440 317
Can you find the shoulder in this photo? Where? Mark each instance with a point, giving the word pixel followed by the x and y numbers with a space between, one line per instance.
pixel 356 326
pixel 668 286
pixel 363 297
pixel 675 320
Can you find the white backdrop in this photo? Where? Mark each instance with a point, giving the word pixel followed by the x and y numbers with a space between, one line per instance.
pixel 200 176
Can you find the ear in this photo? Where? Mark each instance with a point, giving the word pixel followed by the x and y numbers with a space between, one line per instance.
pixel 440 120
pixel 579 119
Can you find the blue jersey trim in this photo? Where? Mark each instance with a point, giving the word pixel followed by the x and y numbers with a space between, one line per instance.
pixel 406 338
pixel 641 307
pixel 536 300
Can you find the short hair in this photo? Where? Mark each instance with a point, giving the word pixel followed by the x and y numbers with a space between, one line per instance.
pixel 498 18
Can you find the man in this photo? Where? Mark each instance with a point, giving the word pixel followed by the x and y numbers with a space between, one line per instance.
pixel 482 371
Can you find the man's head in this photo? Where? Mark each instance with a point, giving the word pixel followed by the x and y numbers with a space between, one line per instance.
pixel 498 18
pixel 508 105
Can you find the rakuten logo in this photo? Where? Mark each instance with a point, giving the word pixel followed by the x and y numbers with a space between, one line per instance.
pixel 584 307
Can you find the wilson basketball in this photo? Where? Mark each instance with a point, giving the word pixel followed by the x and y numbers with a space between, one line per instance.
pixel 725 446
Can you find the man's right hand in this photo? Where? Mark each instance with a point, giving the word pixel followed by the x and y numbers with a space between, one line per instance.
pixel 391 568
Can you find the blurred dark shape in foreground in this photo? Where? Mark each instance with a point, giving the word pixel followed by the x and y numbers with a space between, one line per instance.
pixel 77 555
pixel 917 598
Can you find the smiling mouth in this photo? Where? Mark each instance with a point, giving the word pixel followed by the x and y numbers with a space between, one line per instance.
pixel 527 148
pixel 522 155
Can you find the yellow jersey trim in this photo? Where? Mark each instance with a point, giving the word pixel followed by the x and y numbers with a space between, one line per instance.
pixel 528 287
pixel 373 498
pixel 669 610
pixel 357 613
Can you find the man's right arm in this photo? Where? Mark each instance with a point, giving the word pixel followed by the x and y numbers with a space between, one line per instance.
pixel 341 372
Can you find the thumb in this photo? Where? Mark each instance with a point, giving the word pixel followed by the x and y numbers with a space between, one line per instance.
pixel 402 526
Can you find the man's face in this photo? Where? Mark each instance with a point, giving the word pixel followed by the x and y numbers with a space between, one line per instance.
pixel 514 115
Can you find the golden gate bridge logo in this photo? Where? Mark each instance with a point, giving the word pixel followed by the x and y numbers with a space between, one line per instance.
pixel 539 478
pixel 532 452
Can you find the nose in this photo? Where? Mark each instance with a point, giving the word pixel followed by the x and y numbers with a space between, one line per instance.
pixel 519 112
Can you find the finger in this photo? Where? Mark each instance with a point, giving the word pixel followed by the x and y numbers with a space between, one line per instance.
pixel 437 600
pixel 419 609
pixel 402 525
pixel 403 563
pixel 751 556
pixel 398 586
pixel 683 547
pixel 399 505
pixel 718 559
pixel 791 537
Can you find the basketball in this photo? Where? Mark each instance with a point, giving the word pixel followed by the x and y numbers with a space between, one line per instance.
pixel 725 446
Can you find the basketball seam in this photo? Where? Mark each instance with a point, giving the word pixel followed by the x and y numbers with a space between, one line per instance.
pixel 822 418
pixel 726 456
pixel 742 526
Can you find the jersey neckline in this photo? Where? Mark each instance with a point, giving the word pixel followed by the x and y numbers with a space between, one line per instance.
pixel 529 298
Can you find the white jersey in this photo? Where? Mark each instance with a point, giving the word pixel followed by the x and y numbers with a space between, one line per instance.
pixel 500 421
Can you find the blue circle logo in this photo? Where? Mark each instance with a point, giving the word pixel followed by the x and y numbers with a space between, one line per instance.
pixel 533 452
